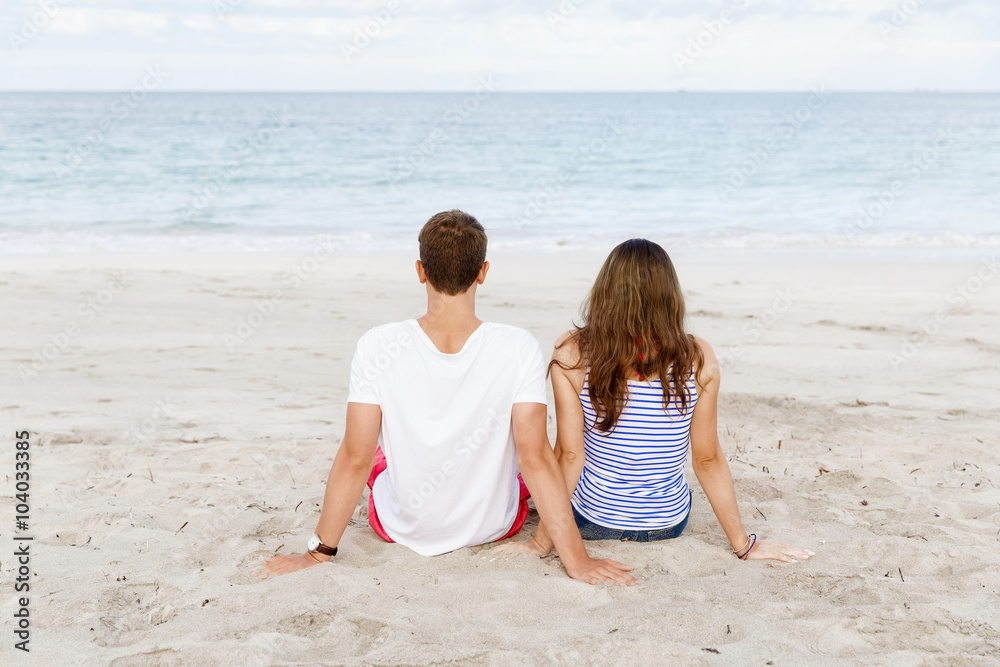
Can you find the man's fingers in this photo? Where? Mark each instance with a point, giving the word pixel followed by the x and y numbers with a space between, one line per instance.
pixel 621 566
pixel 275 566
pixel 626 579
pixel 617 577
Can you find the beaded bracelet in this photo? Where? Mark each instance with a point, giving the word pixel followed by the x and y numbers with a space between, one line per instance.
pixel 753 541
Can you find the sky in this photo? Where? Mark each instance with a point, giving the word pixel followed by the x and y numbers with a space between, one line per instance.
pixel 557 45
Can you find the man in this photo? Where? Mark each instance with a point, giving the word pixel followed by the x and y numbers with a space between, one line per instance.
pixel 442 413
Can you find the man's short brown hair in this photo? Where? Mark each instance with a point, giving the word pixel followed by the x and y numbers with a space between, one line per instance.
pixel 452 250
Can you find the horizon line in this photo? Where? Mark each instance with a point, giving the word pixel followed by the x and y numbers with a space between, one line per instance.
pixel 916 91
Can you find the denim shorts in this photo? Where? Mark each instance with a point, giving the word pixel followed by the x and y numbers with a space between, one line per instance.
pixel 592 531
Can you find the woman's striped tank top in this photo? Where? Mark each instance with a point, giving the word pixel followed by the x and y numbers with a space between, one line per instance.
pixel 633 478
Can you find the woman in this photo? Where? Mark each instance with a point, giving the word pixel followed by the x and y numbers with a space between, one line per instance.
pixel 632 390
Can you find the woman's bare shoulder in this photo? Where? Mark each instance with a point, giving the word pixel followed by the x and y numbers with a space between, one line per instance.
pixel 567 360
pixel 710 370
pixel 567 350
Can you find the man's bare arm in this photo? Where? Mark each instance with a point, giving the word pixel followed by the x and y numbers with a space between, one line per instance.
pixel 548 489
pixel 569 442
pixel 348 475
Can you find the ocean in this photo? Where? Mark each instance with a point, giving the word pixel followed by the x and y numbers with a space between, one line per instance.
pixel 544 172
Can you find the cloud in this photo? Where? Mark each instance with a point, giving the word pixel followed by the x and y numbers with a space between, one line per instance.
pixel 290 27
pixel 91 21
pixel 201 23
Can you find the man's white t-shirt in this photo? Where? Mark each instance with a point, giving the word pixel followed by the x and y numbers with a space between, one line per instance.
pixel 451 480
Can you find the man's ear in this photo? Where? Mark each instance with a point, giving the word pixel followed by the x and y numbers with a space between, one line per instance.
pixel 421 274
pixel 482 273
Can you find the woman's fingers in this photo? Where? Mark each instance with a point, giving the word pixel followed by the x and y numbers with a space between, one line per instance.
pixel 789 550
pixel 515 549
pixel 786 553
pixel 506 551
pixel 496 552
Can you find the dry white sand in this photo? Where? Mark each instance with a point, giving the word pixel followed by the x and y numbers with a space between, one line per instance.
pixel 167 463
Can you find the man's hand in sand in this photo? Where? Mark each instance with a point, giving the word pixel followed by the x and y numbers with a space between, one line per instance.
pixel 605 571
pixel 772 550
pixel 544 480
pixel 279 565
pixel 591 571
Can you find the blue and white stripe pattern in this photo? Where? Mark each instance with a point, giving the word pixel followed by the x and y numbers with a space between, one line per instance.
pixel 633 478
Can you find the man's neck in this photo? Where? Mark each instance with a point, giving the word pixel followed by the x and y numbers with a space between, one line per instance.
pixel 450 320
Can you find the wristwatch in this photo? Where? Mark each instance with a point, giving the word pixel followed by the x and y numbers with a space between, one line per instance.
pixel 316 545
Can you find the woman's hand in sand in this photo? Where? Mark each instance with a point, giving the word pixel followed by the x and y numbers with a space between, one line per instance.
pixel 514 549
pixel 772 550
pixel 279 565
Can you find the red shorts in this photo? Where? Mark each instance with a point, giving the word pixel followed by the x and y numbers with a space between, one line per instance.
pixel 379 468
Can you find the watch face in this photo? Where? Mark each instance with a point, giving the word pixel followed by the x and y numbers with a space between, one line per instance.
pixel 313 543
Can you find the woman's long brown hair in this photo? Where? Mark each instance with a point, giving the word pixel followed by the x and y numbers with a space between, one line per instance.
pixel 634 323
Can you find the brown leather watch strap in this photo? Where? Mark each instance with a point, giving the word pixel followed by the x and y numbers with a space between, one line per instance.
pixel 326 551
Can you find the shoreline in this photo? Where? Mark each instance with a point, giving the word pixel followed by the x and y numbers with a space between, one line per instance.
pixel 935 255
pixel 844 247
